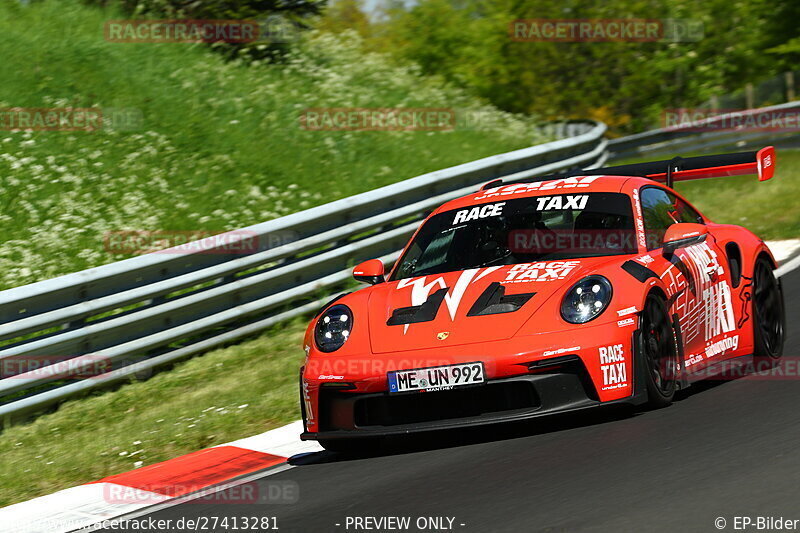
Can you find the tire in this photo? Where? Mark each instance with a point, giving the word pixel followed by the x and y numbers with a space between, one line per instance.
pixel 769 319
pixel 659 352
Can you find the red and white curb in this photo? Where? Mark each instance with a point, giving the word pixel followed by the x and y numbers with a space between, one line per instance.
pixel 121 494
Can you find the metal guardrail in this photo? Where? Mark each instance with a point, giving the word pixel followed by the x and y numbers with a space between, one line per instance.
pixel 708 135
pixel 151 310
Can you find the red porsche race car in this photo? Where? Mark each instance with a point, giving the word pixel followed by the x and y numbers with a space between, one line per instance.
pixel 545 295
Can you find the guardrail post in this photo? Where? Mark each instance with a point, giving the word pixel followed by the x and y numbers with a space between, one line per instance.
pixel 83 294
pixel 75 324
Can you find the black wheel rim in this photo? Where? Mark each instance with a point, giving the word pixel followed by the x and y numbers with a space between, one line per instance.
pixel 768 308
pixel 659 347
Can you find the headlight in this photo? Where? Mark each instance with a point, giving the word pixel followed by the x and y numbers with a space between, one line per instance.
pixel 333 328
pixel 586 300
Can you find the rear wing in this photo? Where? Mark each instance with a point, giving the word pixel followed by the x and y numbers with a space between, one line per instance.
pixel 761 163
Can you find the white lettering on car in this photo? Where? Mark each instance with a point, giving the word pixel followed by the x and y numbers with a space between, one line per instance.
pixel 548 203
pixel 477 212
pixel 420 290
pixel 719 310
pixel 576 182
pixel 722 346
pixel 544 271
pixel 612 365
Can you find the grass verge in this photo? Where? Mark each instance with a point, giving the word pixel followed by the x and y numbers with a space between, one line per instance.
pixel 226 394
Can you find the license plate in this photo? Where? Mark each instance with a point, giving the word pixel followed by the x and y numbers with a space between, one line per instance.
pixel 436 377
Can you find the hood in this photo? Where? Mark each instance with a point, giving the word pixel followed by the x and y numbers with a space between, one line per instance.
pixel 476 305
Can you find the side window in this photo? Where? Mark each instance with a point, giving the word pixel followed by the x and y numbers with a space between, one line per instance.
pixel 686 213
pixel 658 212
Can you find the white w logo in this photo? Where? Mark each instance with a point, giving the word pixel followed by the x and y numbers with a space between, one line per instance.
pixel 420 290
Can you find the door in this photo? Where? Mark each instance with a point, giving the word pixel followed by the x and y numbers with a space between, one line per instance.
pixel 697 280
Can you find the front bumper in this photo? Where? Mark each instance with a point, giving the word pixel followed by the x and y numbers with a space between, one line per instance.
pixel 562 387
pixel 347 396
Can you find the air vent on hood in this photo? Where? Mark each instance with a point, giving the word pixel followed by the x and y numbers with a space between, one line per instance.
pixel 418 313
pixel 494 301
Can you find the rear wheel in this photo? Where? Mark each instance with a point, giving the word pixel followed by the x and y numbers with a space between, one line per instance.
pixel 659 352
pixel 768 316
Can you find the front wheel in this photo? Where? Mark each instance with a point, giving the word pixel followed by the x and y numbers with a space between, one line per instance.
pixel 769 318
pixel 659 352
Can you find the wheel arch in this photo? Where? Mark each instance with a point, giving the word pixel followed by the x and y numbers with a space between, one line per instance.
pixel 764 252
pixel 657 291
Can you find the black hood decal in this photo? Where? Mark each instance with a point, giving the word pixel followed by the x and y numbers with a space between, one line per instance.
pixel 424 312
pixel 494 301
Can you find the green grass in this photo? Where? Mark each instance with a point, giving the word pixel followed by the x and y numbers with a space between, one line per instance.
pixel 220 145
pixel 235 392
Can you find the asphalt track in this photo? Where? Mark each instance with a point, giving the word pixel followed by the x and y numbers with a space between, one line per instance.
pixel 724 449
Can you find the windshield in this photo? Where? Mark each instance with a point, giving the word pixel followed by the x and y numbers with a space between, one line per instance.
pixel 524 230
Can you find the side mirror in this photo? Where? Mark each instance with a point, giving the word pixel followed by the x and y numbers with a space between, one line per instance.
pixel 682 235
pixel 369 272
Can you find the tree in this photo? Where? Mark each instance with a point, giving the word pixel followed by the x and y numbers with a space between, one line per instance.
pixel 627 83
